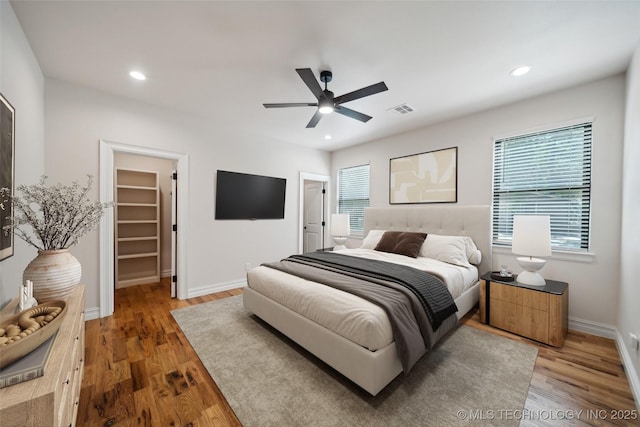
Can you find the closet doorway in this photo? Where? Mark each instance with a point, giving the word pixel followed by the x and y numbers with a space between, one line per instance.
pixel 144 202
pixel 178 161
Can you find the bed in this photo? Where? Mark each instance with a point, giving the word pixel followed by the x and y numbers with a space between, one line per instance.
pixel 375 362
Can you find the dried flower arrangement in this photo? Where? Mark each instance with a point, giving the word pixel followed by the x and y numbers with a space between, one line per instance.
pixel 58 214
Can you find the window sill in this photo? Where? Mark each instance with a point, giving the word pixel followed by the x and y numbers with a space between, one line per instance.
pixel 560 255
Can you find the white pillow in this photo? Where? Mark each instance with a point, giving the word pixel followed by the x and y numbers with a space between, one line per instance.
pixel 476 257
pixel 372 239
pixel 449 249
pixel 473 254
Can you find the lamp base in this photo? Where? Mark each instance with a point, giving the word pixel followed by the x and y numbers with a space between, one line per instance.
pixel 340 241
pixel 531 278
pixel 530 275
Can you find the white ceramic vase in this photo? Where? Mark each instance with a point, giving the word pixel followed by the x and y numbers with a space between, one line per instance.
pixel 54 273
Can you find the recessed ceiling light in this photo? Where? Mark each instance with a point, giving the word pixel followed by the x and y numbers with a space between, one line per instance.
pixel 327 137
pixel 138 75
pixel 520 71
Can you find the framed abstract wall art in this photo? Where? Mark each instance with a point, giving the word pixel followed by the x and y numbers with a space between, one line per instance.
pixel 430 177
pixel 7 146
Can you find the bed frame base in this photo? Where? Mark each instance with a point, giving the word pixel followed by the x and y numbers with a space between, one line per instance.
pixel 371 370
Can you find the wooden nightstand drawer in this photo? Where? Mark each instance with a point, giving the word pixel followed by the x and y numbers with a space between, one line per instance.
pixel 520 296
pixel 519 319
pixel 539 313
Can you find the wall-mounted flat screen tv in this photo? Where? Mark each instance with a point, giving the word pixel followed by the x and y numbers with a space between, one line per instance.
pixel 245 196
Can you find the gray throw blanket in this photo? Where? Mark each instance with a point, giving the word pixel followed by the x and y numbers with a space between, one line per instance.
pixel 402 292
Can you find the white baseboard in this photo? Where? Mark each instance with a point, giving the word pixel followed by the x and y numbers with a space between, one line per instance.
pixel 91 313
pixel 608 331
pixel 629 368
pixel 217 287
pixel 165 273
pixel 593 328
pixel 94 312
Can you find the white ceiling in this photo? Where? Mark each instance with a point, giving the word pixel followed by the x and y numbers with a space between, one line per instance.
pixel 223 60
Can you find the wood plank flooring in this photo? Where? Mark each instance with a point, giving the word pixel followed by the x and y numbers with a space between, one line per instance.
pixel 140 370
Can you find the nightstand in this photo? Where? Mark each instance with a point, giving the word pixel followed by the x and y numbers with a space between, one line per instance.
pixel 537 312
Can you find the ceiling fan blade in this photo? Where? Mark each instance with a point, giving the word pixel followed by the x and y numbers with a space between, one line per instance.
pixel 291 104
pixel 361 93
pixel 314 120
pixel 310 80
pixel 351 113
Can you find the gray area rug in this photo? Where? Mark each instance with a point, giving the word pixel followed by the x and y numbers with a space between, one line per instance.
pixel 471 377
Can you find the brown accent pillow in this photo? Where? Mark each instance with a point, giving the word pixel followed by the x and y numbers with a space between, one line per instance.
pixel 402 243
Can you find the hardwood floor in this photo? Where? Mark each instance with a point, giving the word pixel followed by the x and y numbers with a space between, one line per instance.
pixel 140 370
pixel 584 379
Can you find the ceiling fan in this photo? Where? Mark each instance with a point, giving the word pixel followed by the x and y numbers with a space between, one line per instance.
pixel 326 102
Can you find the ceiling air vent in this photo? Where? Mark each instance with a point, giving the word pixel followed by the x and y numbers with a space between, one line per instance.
pixel 402 109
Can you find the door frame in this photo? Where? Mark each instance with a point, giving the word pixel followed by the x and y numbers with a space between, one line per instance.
pixel 174 231
pixel 107 240
pixel 307 176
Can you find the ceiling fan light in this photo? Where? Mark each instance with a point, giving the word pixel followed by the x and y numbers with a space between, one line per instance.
pixel 325 107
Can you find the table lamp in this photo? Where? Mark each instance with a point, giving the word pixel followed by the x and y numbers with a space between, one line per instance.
pixel 532 238
pixel 340 230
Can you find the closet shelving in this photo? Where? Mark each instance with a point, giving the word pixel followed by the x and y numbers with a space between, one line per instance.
pixel 137 228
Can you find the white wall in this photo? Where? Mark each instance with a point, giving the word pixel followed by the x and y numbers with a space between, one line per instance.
pixel 164 168
pixel 594 285
pixel 22 84
pixel 77 118
pixel 629 312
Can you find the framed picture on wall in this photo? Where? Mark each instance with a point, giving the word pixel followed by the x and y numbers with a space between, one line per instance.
pixel 7 146
pixel 430 177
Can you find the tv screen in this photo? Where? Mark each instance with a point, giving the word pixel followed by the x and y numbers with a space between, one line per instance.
pixel 244 196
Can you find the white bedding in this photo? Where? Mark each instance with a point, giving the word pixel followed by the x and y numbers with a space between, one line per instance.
pixel 353 318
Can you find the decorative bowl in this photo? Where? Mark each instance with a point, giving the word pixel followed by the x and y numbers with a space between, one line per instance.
pixel 35 325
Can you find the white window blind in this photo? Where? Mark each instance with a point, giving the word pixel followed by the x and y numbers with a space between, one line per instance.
pixel 353 195
pixel 545 173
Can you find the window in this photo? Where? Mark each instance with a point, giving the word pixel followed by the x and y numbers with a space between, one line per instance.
pixel 544 173
pixel 353 195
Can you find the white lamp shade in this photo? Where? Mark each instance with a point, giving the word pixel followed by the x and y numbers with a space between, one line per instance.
pixel 531 235
pixel 340 225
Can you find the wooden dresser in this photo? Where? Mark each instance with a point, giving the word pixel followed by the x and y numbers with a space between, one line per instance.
pixel 50 400
pixel 536 312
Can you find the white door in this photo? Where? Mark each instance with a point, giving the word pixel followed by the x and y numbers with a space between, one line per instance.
pixel 174 231
pixel 313 216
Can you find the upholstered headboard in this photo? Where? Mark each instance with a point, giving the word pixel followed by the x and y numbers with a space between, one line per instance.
pixel 472 221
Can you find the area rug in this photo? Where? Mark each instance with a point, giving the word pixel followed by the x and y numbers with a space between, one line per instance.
pixel 471 378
